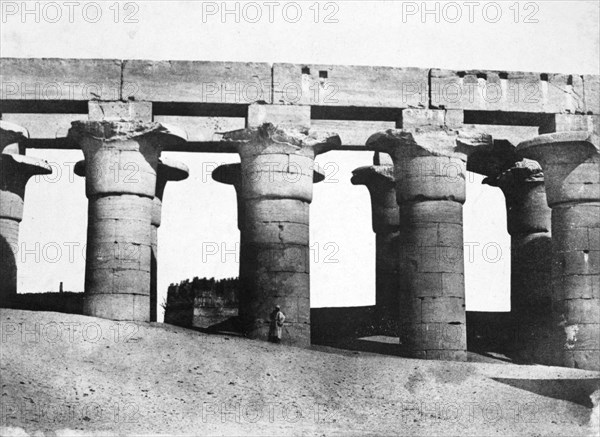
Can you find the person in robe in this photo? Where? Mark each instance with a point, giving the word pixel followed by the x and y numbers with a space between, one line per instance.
pixel 275 329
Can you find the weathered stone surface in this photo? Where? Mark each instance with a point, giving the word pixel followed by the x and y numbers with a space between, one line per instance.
pixel 570 161
pixel 15 171
pixel 507 91
pixel 570 122
pixel 120 111
pixel 591 94
pixel 60 79
pixel 197 81
pixel 349 85
pixel 571 165
pixel 117 306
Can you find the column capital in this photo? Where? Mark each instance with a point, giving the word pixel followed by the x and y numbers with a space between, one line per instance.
pixel 379 180
pixel 570 161
pixel 11 138
pixel 428 141
pixel 15 171
pixel 122 156
pixel 523 171
pixel 169 170
pixel 270 139
pixel 112 131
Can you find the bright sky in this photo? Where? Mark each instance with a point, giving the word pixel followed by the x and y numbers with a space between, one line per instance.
pixel 198 214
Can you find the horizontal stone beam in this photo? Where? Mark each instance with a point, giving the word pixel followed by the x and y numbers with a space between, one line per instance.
pixel 50 79
pixel 514 91
pixel 345 85
pixel 241 83
pixel 197 81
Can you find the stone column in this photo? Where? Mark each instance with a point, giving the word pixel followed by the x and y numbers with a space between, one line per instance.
pixel 168 170
pixel 277 173
pixel 571 164
pixel 429 169
pixel 15 171
pixel 120 174
pixel 379 180
pixel 528 219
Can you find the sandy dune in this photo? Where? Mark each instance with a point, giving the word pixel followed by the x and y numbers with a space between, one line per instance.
pixel 74 375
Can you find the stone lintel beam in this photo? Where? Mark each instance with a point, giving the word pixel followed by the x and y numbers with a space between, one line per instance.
pixel 379 180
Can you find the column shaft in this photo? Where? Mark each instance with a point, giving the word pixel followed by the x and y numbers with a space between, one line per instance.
pixel 571 164
pixel 430 169
pixel 121 161
pixel 274 194
pixel 528 219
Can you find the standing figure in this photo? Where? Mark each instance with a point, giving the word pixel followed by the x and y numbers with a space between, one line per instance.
pixel 277 319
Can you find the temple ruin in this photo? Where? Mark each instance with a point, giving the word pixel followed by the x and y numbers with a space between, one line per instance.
pixel 532 135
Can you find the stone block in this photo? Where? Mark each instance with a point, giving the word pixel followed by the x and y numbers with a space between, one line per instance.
pixel 582 311
pixel 591 93
pixel 576 287
pixel 197 81
pixel 118 306
pixel 443 310
pixel 60 79
pixel 278 232
pixel 506 91
pixel 431 211
pixel 280 115
pixel 277 210
pixel 582 336
pixel 121 207
pixel 440 336
pixel 120 111
pixel 349 85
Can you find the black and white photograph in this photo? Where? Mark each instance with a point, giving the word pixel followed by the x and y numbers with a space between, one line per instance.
pixel 300 218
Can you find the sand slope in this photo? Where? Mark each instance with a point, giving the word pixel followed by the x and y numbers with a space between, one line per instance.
pixel 74 375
